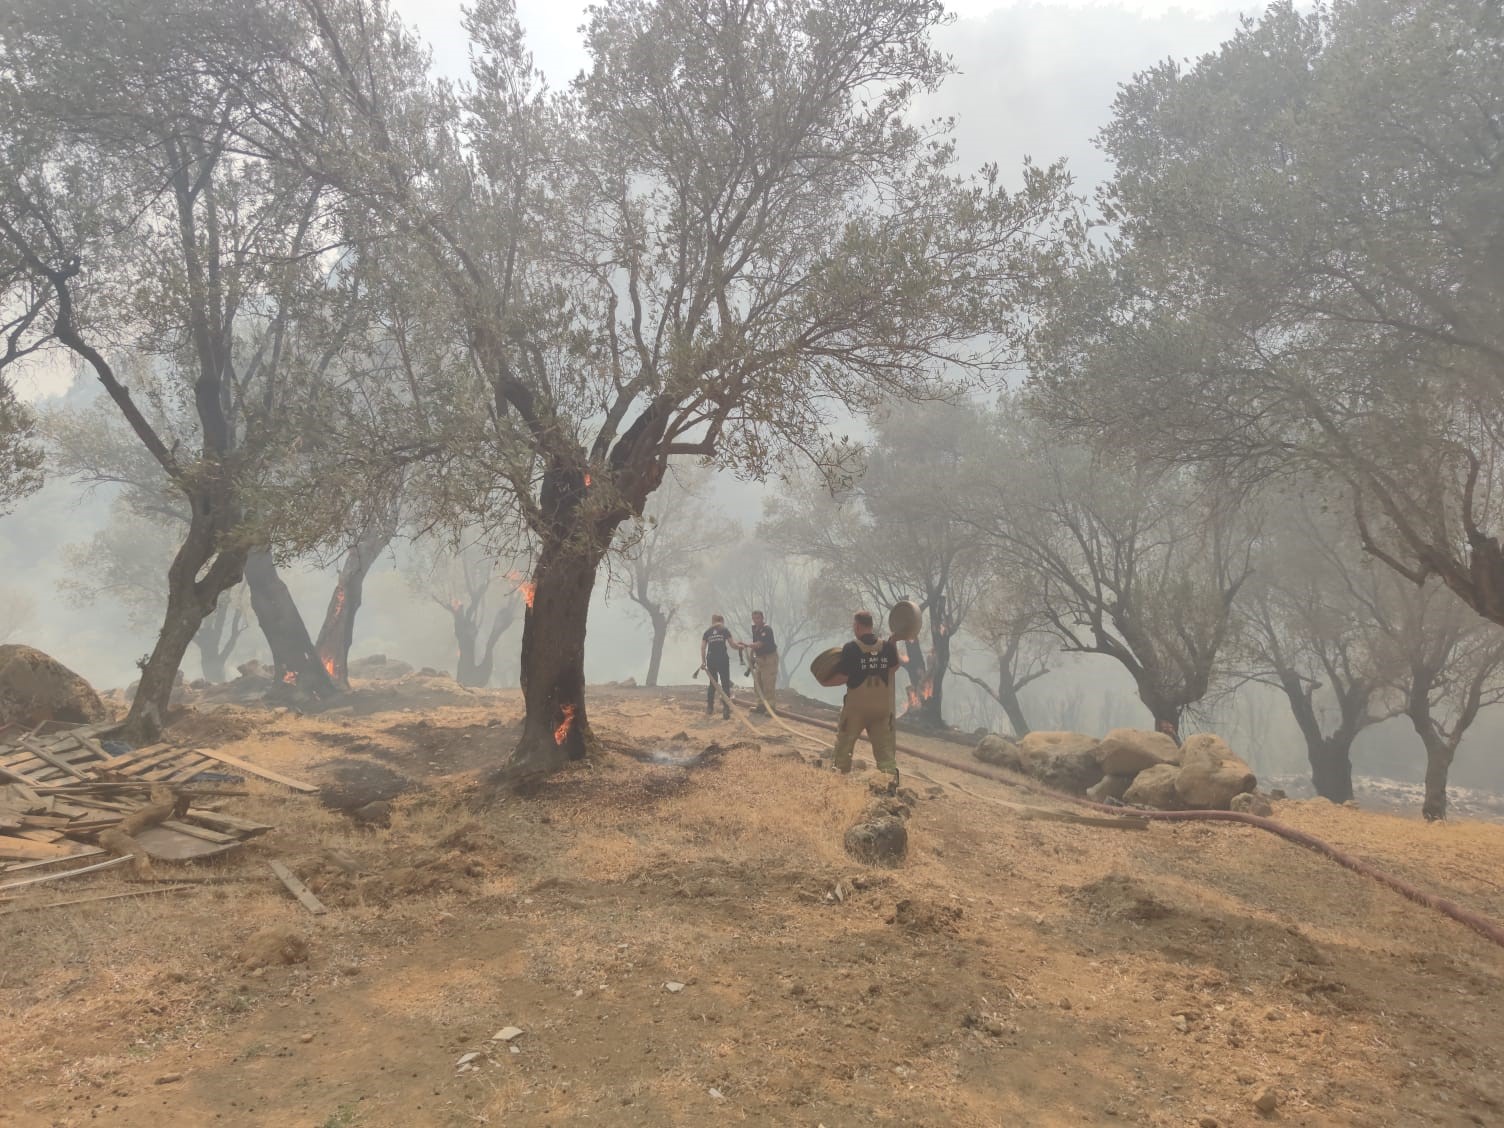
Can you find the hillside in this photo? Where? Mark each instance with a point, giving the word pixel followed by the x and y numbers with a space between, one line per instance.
pixel 1013 971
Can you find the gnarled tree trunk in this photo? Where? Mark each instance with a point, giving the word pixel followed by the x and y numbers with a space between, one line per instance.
pixel 202 570
pixel 338 631
pixel 216 640
pixel 295 661
pixel 1439 754
pixel 660 636
pixel 475 662
pixel 1013 708
pixel 553 660
pixel 1332 768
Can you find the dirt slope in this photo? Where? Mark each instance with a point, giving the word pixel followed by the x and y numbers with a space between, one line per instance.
pixel 1012 972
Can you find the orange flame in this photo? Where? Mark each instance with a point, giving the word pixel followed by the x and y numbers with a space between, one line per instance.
pixel 587 481
pixel 561 734
pixel 339 599
pixel 291 677
pixel 929 690
pixel 329 665
pixel 525 587
pixel 913 698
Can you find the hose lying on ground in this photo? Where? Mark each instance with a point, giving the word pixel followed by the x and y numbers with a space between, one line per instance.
pixel 1480 924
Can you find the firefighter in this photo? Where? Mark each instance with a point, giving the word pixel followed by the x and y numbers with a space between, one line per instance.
pixel 764 648
pixel 715 660
pixel 868 668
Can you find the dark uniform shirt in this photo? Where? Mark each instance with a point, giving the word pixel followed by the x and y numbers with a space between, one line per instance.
pixel 762 641
pixel 716 639
pixel 858 665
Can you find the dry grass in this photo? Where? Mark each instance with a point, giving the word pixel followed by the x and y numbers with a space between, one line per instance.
pixel 569 910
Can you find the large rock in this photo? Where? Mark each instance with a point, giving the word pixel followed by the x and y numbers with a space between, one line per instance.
pixel 1155 787
pixel 1063 760
pixel 1252 803
pixel 35 688
pixel 1125 751
pixel 1210 774
pixel 999 750
pixel 883 841
pixel 1205 748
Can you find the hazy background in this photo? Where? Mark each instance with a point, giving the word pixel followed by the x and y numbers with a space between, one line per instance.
pixel 1034 80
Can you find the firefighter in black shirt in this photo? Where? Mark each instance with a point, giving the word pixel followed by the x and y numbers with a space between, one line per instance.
pixel 716 660
pixel 868 668
pixel 764 662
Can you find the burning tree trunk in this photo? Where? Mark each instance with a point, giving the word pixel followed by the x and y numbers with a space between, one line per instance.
pixel 338 630
pixel 553 660
pixel 575 532
pixel 295 661
pixel 214 645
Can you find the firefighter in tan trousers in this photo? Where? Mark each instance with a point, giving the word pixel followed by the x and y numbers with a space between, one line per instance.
pixel 764 648
pixel 869 669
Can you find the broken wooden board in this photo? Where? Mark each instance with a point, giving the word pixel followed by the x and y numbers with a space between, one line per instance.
pixel 99 897
pixel 29 850
pixel 264 773
pixel 298 889
pixel 63 875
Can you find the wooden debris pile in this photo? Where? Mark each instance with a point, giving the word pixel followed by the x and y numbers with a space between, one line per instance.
pixel 64 794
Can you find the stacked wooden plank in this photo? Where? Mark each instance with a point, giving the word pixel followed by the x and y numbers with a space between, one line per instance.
pixel 64 820
pixel 60 789
pixel 57 753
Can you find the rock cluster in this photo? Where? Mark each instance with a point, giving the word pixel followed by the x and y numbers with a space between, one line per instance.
pixel 1143 769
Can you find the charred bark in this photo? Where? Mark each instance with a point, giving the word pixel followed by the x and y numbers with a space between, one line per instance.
pixel 295 661
pixel 556 727
pixel 932 696
pixel 338 630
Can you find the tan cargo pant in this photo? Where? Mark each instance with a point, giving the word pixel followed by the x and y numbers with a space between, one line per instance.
pixel 765 677
pixel 876 719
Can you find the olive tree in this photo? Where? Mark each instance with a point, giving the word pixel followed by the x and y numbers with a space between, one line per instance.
pixel 1302 275
pixel 183 273
pixel 727 230
pixel 1133 562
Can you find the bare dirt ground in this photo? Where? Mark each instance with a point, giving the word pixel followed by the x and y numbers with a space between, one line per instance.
pixel 1012 972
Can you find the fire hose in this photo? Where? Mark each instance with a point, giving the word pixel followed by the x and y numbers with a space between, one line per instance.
pixel 1489 929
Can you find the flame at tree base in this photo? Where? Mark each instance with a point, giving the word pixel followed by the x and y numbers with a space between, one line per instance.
pixel 290 678
pixel 561 734
pixel 330 666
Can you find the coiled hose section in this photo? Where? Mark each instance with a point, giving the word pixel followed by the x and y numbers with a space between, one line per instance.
pixel 1489 929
